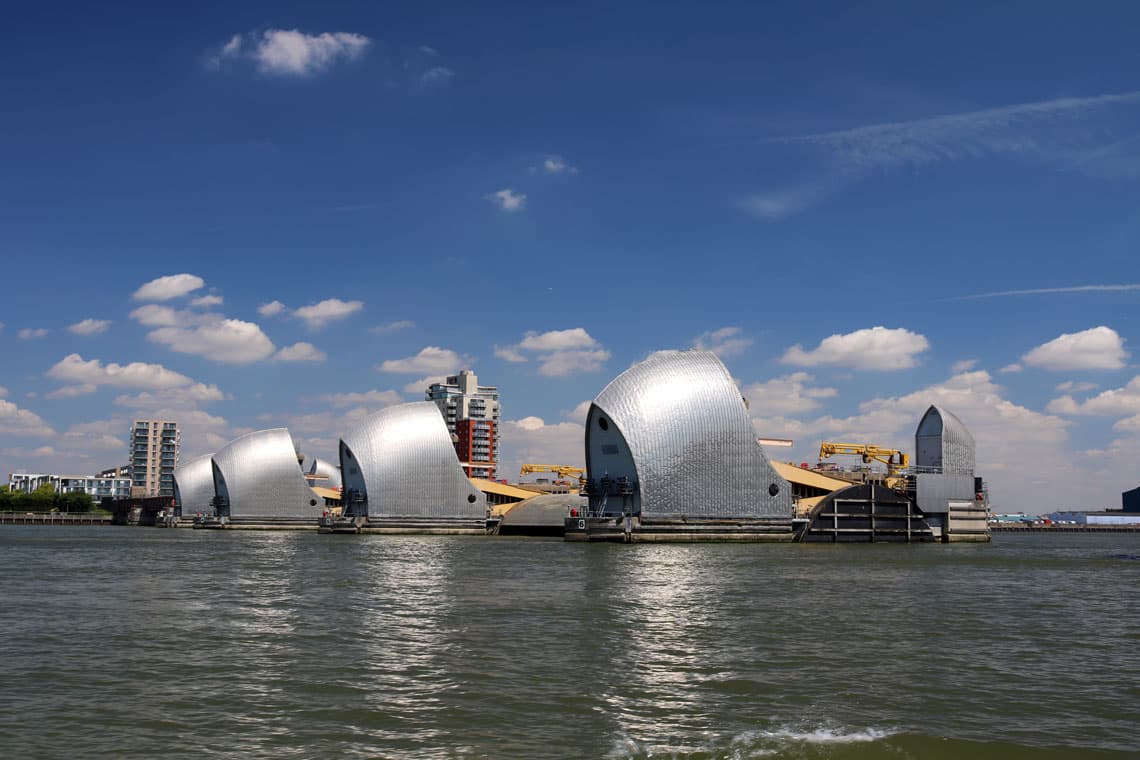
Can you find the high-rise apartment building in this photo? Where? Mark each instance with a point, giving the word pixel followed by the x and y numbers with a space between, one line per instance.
pixel 472 414
pixel 153 456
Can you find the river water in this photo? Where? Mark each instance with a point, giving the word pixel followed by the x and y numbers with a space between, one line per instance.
pixel 121 642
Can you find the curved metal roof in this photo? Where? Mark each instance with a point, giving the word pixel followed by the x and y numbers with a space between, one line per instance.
pixel 690 439
pixel 404 462
pixel 194 485
pixel 951 450
pixel 323 468
pixel 260 474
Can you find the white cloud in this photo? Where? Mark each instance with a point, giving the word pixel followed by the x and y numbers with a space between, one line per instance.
pixel 561 352
pixel 32 333
pixel 790 394
pixel 300 352
pixel 437 75
pixel 229 341
pixel 419 387
pixel 90 326
pixel 579 412
pixel 1116 402
pixel 877 348
pixel 3 391
pixel 1096 348
pixel 157 315
pixel 73 369
pixel 508 200
pixel 206 301
pixel 564 363
pixel 318 315
pixel 727 341
pixel 431 359
pixel 271 309
pixel 189 396
pixel 554 164
pixel 509 353
pixel 373 398
pixel 1010 369
pixel 168 287
pixel 557 340
pixel 72 391
pixel 389 327
pixel 1073 386
pixel 963 365
pixel 42 451
pixel 291 52
pixel 17 421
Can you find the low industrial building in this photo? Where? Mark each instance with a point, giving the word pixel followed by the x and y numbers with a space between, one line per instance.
pixel 672 455
pixel 98 487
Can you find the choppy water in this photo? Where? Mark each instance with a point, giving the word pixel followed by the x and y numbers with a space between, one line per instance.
pixel 118 642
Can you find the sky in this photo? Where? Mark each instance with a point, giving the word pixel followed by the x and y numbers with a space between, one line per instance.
pixel 254 215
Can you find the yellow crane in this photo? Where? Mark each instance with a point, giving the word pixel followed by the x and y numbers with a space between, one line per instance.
pixel 895 460
pixel 562 470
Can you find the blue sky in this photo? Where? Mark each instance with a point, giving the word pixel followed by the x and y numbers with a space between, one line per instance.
pixel 863 210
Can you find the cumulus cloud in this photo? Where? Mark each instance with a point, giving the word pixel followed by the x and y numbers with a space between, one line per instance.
pixel 790 394
pixel 168 287
pixel 300 352
pixel 507 199
pixel 89 326
pixel 17 421
pixel 1116 402
pixel 157 315
pixel 963 365
pixel 559 352
pixel 206 301
pixel 230 341
pixel 373 398
pixel 72 391
pixel 419 387
pixel 1096 348
pixel 291 52
pixel 38 452
pixel 187 396
pixel 431 360
pixel 877 348
pixel 727 341
pixel 32 333
pixel 579 412
pixel 1010 369
pixel 74 369
pixel 318 315
pixel 389 327
pixel 555 164
pixel 1073 386
pixel 271 309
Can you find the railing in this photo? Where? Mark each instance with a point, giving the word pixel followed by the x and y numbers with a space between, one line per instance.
pixel 54 518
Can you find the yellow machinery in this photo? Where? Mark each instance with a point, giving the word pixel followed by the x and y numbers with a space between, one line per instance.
pixel 895 460
pixel 562 470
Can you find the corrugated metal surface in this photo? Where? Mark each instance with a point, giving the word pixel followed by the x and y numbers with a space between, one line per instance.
pixel 934 492
pixel 262 477
pixel 403 461
pixel 194 485
pixel 322 467
pixel 676 425
pixel 1123 519
pixel 943 443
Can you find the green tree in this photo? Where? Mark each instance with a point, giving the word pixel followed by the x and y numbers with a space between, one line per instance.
pixel 74 502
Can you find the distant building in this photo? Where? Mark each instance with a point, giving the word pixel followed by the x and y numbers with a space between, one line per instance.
pixel 154 457
pixel 122 471
pixel 472 415
pixel 1130 500
pixel 96 486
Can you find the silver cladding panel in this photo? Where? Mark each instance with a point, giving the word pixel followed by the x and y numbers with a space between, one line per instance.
pixel 943 442
pixel 263 478
pixel 689 437
pixel 318 466
pixel 933 492
pixel 408 465
pixel 194 485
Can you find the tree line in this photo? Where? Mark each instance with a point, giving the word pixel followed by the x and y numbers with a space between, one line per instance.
pixel 44 499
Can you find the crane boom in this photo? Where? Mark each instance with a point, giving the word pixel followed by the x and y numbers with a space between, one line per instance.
pixel 894 459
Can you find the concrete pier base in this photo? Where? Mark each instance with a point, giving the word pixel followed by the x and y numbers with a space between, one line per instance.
pixel 633 529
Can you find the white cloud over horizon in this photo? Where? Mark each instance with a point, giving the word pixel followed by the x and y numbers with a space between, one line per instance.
pixel 726 341
pixel 89 326
pixel 169 287
pixel 507 199
pixel 558 352
pixel 228 341
pixel 319 315
pixel 431 360
pixel 1092 349
pixel 291 52
pixel 877 348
